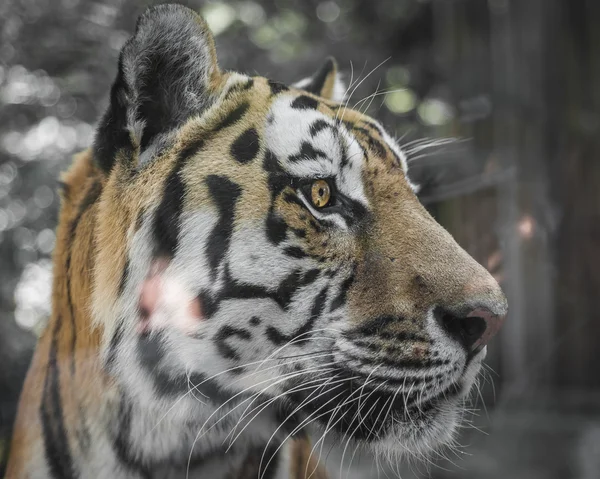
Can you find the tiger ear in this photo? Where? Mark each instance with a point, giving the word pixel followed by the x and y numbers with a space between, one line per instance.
pixel 167 72
pixel 326 82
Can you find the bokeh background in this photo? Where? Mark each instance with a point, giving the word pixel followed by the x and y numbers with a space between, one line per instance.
pixel 498 104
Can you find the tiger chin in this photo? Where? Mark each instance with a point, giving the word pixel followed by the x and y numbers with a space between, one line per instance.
pixel 239 262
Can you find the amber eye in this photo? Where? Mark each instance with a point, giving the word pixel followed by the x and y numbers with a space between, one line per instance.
pixel 320 193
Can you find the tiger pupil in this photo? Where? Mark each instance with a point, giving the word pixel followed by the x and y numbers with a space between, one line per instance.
pixel 321 193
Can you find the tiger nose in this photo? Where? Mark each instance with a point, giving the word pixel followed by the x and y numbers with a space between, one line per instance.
pixel 473 325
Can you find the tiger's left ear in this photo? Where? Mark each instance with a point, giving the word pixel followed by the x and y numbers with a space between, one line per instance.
pixel 326 82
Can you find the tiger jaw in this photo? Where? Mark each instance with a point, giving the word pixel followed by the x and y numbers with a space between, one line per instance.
pixel 404 417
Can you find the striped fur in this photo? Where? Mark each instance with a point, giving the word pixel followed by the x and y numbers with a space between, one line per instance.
pixel 206 315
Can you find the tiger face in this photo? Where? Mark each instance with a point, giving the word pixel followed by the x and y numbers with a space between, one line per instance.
pixel 263 263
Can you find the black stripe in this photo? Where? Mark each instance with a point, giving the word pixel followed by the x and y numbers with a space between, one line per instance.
pixel 307 152
pixel 90 198
pixel 295 252
pixel 277 87
pixel 147 467
pixel 318 126
pixel 167 224
pixel 233 290
pixel 223 335
pixel 225 194
pixel 340 299
pixel 276 227
pixel 304 102
pixel 233 116
pixel 115 340
pixel 278 338
pixel 124 276
pixel 239 87
pixel 121 441
pixel 398 363
pixel 56 442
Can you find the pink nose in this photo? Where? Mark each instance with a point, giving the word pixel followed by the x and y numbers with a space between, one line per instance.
pixel 493 323
pixel 473 329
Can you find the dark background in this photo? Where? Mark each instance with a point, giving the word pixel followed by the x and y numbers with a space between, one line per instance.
pixel 516 82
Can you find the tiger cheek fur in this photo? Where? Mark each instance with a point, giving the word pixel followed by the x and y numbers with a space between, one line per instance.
pixel 208 307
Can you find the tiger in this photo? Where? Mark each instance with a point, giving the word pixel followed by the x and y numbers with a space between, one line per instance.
pixel 243 271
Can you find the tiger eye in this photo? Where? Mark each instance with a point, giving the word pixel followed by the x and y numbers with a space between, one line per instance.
pixel 320 193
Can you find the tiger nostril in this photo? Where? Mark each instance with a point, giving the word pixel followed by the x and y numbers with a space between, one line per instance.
pixel 473 330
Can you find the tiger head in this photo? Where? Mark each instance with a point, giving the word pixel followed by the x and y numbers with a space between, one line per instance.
pixel 262 245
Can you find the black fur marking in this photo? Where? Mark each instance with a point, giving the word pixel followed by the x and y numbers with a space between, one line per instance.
pixel 245 147
pixel 90 199
pixel 377 147
pixel 271 163
pixel 377 325
pixel 397 363
pixel 167 216
pixel 362 420
pixel 278 338
pixel 124 276
pixel 291 197
pixel 233 116
pixel 277 87
pixel 121 441
pixel 317 81
pixel 276 227
pixel 148 467
pixel 150 350
pixel 232 289
pixel 282 296
pixel 191 150
pixel 299 232
pixel 224 334
pixel 240 87
pixel 318 126
pixel 304 102
pixel 278 178
pixel 115 340
pixel 225 194
pixel 295 252
pixel 209 304
pixel 340 299
pixel 56 441
pixel 311 275
pixel 308 152
pixel 254 321
pixel 354 213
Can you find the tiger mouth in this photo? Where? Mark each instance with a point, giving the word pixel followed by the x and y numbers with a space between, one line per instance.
pixel 366 411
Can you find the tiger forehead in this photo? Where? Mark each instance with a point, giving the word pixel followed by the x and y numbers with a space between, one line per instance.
pixel 363 130
pixel 264 97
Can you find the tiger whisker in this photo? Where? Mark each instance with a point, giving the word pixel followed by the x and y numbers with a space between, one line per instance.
pixel 311 418
pixel 267 403
pixel 220 373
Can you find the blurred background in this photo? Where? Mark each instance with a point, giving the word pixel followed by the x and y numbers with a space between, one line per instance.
pixel 497 103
